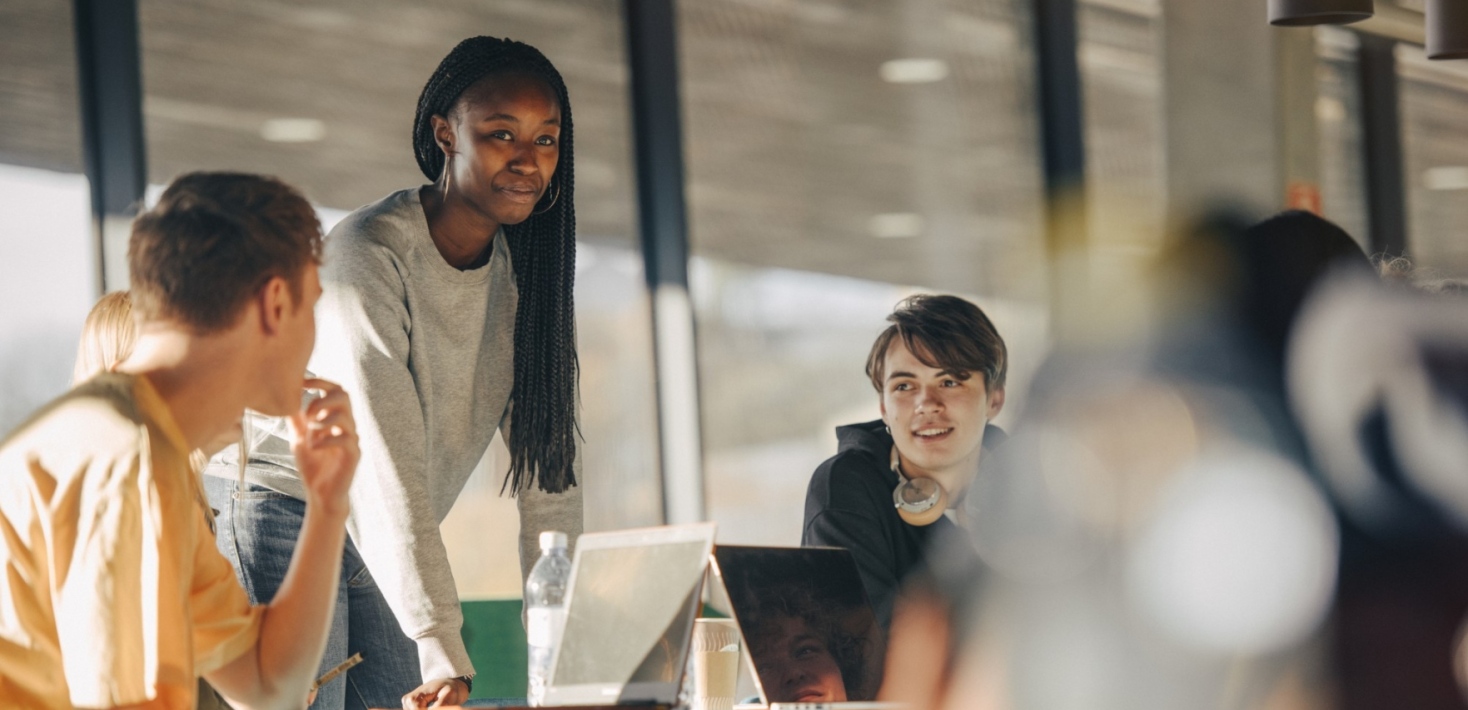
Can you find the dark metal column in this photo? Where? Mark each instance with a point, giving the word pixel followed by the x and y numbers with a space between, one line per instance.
pixel 1058 83
pixel 652 52
pixel 110 81
pixel 657 128
pixel 1381 124
pixel 1063 153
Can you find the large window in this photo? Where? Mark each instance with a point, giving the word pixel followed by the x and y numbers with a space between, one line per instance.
pixel 1342 145
pixel 1121 72
pixel 323 95
pixel 47 264
pixel 1434 105
pixel 841 156
pixel 1433 112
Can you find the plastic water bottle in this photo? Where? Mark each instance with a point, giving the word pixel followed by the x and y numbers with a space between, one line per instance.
pixel 545 603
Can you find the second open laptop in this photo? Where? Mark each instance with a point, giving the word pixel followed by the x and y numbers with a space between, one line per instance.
pixel 807 625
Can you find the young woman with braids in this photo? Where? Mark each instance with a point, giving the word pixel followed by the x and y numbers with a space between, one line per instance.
pixel 447 314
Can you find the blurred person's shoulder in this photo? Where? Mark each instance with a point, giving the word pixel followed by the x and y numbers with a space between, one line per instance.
pixel 858 477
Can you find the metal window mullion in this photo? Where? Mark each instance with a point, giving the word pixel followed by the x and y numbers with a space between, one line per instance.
pixel 1381 125
pixel 109 78
pixel 1062 154
pixel 652 52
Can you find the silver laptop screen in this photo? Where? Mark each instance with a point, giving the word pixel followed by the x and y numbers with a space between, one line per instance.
pixel 630 614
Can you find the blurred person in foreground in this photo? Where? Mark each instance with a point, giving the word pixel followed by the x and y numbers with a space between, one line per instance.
pixel 939 375
pixel 116 595
pixel 1151 535
pixel 1379 381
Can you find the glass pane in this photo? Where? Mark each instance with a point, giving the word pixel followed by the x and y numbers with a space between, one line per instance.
pixel 1342 146
pixel 48 277
pixel 1435 145
pixel 840 157
pixel 38 89
pixel 323 96
pixel 47 285
pixel 1121 74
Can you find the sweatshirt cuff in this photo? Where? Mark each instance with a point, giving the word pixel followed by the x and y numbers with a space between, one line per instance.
pixel 441 654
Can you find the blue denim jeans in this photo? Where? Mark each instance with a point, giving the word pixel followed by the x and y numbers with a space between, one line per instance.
pixel 258 528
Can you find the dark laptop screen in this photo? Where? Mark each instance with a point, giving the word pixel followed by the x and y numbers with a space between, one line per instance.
pixel 806 621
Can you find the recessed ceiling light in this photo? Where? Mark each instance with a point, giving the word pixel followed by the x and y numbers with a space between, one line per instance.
pixel 293 130
pixel 1448 177
pixel 896 225
pixel 914 70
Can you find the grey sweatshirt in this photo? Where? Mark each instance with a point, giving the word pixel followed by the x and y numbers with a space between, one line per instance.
pixel 426 352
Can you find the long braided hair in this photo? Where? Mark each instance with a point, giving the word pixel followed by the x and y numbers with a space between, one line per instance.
pixel 543 429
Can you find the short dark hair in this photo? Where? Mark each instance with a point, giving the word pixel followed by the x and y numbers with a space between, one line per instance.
pixel 212 241
pixel 945 332
pixel 1282 259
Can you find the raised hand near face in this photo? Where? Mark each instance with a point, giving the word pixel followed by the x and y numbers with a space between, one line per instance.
pixel 325 445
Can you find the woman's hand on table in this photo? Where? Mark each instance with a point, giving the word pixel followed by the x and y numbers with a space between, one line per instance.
pixel 437 693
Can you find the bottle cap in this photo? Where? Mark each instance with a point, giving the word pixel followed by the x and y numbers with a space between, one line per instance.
pixel 551 540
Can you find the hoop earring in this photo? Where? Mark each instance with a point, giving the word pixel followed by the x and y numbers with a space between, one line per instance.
pixel 554 197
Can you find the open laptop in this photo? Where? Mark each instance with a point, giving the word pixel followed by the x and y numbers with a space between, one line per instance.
pixel 630 606
pixel 807 626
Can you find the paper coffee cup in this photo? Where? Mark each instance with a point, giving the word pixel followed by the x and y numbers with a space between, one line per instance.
pixel 715 663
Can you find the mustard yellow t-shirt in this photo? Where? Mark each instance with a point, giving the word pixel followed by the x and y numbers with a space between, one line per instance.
pixel 111 589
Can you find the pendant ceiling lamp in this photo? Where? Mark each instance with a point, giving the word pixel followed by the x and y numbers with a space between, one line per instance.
pixel 1299 13
pixel 1447 29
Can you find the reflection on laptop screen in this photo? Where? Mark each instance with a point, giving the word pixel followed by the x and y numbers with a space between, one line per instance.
pixel 806 622
pixel 629 618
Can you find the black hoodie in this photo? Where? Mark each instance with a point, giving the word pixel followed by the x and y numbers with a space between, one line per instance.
pixel 849 504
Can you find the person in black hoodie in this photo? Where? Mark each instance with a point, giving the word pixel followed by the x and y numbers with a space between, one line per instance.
pixel 939 373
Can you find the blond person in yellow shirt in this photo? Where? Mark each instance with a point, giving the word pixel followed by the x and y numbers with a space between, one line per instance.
pixel 107 338
pixel 112 593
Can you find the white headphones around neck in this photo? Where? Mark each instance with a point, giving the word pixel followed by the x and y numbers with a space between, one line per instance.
pixel 919 501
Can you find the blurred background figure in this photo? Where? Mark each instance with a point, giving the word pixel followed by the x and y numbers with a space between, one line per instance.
pixel 1151 536
pixel 107 336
